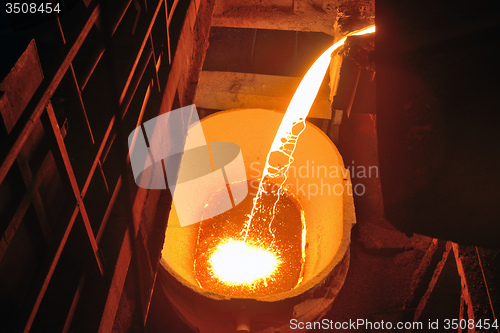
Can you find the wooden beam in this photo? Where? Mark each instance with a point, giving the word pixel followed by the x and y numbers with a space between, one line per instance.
pixel 307 18
pixel 230 90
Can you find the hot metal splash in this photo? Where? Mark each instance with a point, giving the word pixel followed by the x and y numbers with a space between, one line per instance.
pixel 267 262
pixel 280 156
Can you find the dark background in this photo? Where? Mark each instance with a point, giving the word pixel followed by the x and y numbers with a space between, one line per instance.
pixel 437 117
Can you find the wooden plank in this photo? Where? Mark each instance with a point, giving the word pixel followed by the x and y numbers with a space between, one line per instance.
pixel 230 90
pixel 224 5
pixel 307 18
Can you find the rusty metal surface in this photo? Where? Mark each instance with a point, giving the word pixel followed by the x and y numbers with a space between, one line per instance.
pixel 20 85
pixel 94 222
pixel 42 96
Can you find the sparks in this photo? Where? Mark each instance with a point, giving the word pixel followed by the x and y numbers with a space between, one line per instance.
pixel 240 265
pixel 280 156
pixel 236 262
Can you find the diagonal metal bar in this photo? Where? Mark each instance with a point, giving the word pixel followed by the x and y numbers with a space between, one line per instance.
pixel 139 54
pixel 81 104
pixel 98 156
pixel 37 199
pixel 74 185
pixel 23 206
pixel 81 284
pixel 47 268
pixel 154 61
pixel 168 33
pixel 44 93
pixel 125 104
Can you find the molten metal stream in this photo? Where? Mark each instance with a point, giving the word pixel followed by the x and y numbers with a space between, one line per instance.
pixel 280 155
pixel 259 259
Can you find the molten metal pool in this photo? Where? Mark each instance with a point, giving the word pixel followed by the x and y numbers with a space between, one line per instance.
pixel 269 261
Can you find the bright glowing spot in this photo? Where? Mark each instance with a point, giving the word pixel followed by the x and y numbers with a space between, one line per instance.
pixel 236 262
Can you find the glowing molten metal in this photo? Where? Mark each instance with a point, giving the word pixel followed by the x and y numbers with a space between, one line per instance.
pixel 258 247
pixel 267 263
pixel 235 262
pixel 280 155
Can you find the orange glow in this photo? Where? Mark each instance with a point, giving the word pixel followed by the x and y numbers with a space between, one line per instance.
pixel 235 262
pixel 268 262
pixel 280 156
pixel 304 96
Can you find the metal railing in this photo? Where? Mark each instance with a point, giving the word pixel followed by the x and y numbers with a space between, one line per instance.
pixel 148 62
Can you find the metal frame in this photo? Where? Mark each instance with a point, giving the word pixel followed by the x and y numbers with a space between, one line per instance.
pixel 145 67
